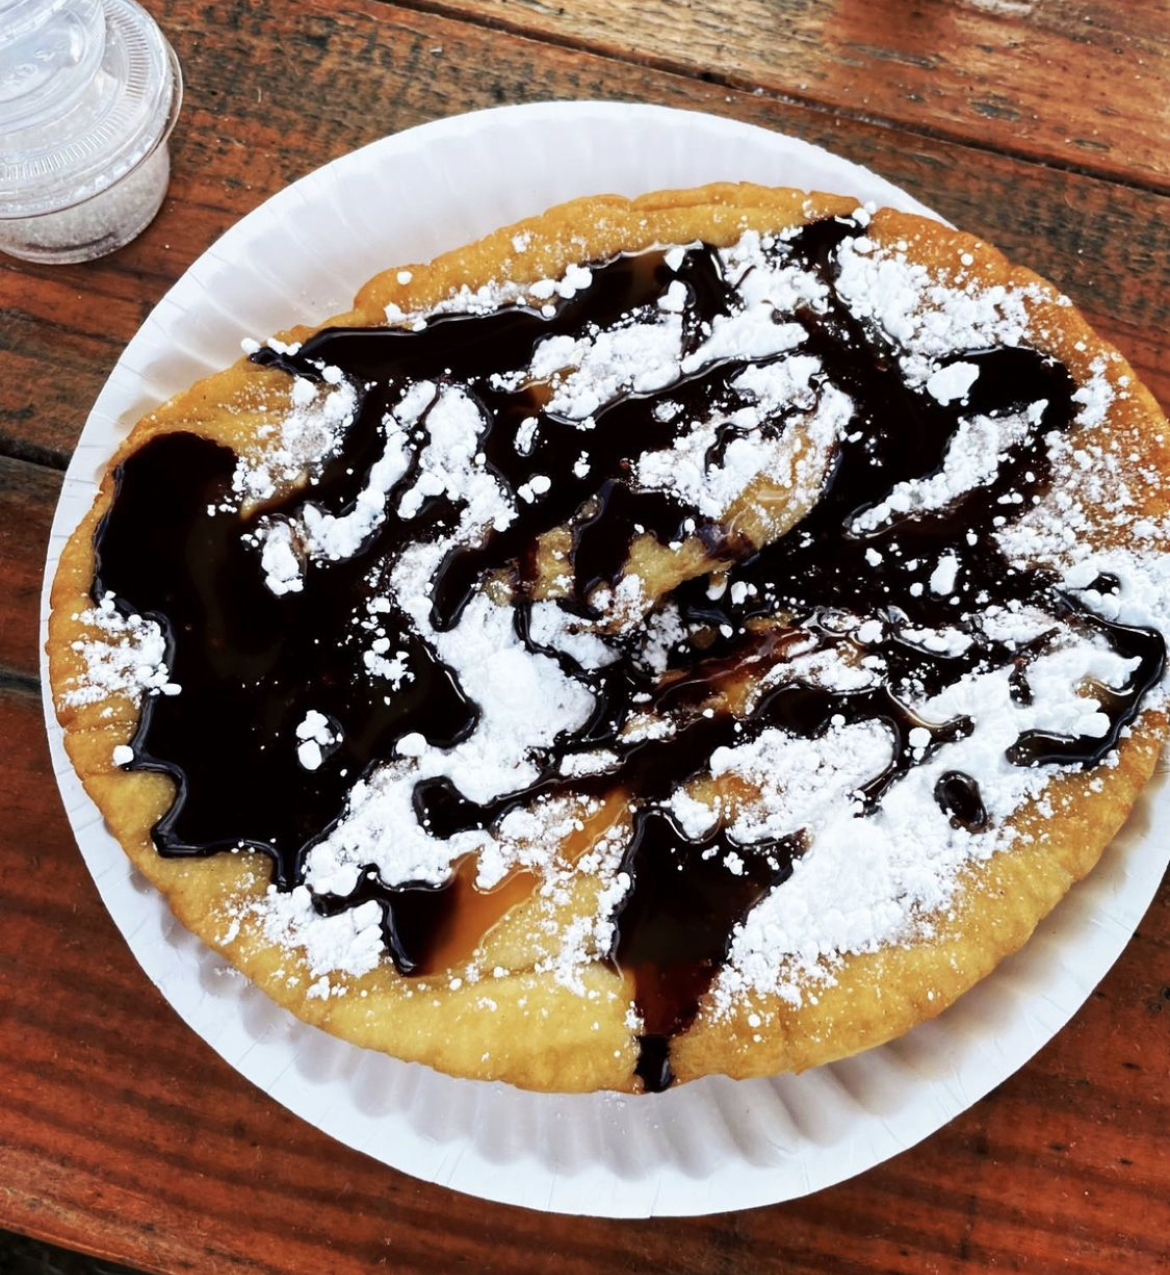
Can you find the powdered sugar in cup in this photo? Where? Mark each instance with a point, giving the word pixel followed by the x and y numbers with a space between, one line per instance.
pixel 89 93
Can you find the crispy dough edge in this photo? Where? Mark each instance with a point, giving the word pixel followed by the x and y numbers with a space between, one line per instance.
pixel 543 1036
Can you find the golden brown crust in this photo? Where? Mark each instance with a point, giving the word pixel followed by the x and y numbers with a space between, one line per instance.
pixel 541 1035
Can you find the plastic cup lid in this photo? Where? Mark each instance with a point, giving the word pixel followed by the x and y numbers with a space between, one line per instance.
pixel 88 88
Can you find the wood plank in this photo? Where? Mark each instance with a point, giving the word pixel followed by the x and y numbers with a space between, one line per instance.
pixel 338 78
pixel 28 496
pixel 1079 83
pixel 123 1134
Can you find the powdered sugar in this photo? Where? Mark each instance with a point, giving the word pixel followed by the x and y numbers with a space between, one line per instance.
pixel 952 382
pixel 867 881
pixel 126 657
pixel 317 736
pixel 799 782
pixel 348 943
pixel 795 457
pixel 551 626
pixel 927 317
pixel 973 457
pixel 524 699
pixel 593 370
pixel 308 434
pixel 452 465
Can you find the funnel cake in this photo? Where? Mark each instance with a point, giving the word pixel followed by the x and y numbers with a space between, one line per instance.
pixel 696 634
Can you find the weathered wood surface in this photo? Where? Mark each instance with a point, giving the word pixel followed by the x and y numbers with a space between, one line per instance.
pixel 1079 83
pixel 335 79
pixel 28 495
pixel 122 1133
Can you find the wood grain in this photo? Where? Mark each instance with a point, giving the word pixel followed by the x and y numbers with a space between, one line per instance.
pixel 28 496
pixel 1037 123
pixel 1001 73
pixel 338 78
pixel 123 1133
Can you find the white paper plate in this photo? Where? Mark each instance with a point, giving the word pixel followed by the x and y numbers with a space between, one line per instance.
pixel 712 1145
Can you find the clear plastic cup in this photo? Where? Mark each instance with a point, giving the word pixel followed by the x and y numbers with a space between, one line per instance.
pixel 89 93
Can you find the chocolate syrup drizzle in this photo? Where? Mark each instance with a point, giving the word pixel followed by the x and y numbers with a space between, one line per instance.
pixel 251 664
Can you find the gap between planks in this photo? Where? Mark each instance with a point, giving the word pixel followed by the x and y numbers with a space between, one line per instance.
pixel 14 682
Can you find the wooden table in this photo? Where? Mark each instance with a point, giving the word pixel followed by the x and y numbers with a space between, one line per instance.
pixel 1040 125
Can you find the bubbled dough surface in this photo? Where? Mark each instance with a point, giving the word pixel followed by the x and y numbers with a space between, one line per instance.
pixel 542 1035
